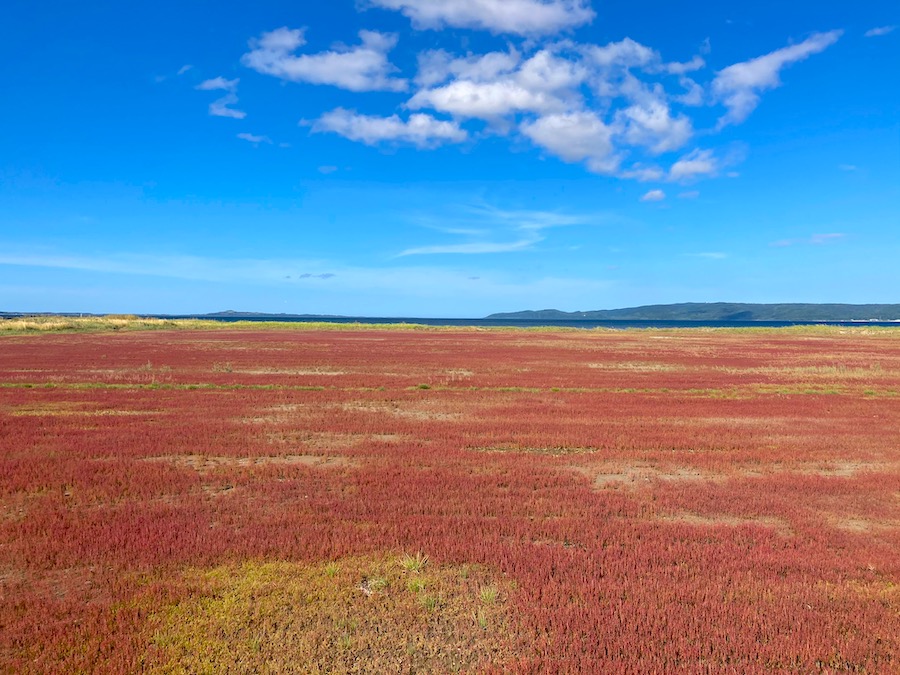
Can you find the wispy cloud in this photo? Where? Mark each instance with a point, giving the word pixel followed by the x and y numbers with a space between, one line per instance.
pixel 364 67
pixel 881 30
pixel 221 108
pixel 186 67
pixel 711 255
pixel 653 196
pixel 252 138
pixel 689 194
pixel 693 165
pixel 848 167
pixel 473 248
pixel 218 83
pixel 496 230
pixel 739 86
pixel 816 240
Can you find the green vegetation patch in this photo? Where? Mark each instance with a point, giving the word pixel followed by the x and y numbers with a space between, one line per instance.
pixel 360 614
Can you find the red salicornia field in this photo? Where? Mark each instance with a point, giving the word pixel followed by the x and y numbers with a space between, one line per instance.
pixel 368 500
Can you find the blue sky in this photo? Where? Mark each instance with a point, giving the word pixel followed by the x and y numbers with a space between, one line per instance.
pixel 446 157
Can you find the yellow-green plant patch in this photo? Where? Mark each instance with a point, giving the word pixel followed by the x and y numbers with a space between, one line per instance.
pixel 351 615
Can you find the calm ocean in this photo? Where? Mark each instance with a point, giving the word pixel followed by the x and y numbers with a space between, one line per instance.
pixel 568 323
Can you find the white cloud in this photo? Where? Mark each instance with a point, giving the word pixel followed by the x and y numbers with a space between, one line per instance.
pixel 642 173
pixel 650 124
pixel 654 196
pixel 675 68
pixel 186 67
pixel 689 194
pixel 627 53
pixel 253 138
pixel 738 86
pixel 544 83
pixel 473 247
pixel 423 131
pixel 361 68
pixel 218 83
pixel 437 66
pixel 711 255
pixel 694 94
pixel 881 30
pixel 575 137
pixel 816 240
pixel 485 100
pixel 220 107
pixel 523 17
pixel 520 228
pixel 693 165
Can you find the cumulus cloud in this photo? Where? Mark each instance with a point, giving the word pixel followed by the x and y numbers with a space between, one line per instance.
pixel 881 30
pixel 437 66
pixel 651 124
pixel 220 107
pixel 626 53
pixel 654 196
pixel 575 137
pixel 543 83
pixel 738 86
pixel 364 67
pixel 521 17
pixel 694 165
pixel 423 131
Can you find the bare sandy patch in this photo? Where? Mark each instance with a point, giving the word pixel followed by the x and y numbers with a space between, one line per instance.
pixel 637 366
pixel 725 520
pixel 72 408
pixel 623 475
pixel 286 371
pixel 329 440
pixel 633 476
pixel 415 410
pixel 861 525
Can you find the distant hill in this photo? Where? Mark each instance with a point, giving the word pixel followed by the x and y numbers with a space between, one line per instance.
pixel 719 311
